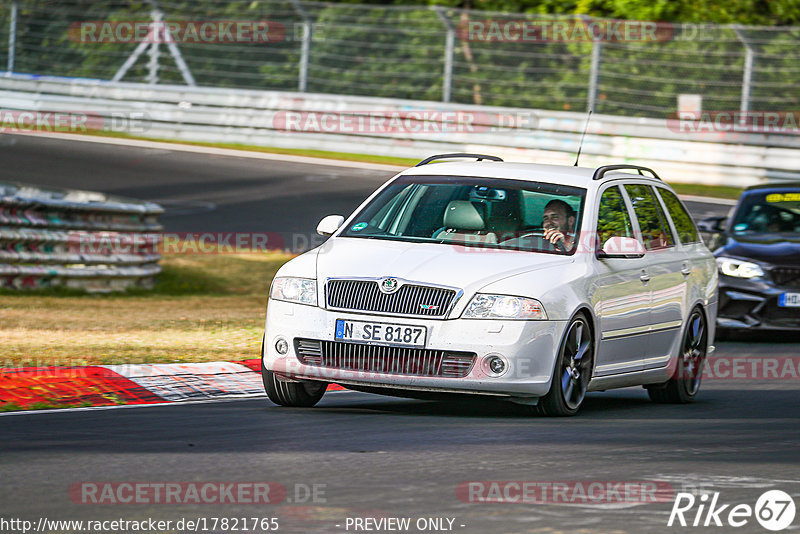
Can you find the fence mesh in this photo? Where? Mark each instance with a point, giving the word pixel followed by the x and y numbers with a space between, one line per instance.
pixel 403 52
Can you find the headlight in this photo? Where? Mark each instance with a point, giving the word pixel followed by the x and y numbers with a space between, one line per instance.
pixel 300 290
pixel 739 268
pixel 504 307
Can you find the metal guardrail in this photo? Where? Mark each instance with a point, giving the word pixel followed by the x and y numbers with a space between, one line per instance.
pixel 259 118
pixel 76 239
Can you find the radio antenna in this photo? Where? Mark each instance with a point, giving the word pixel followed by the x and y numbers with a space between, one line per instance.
pixel 585 127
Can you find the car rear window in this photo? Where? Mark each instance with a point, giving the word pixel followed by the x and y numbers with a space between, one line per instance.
pixel 687 231
pixel 613 219
pixel 652 220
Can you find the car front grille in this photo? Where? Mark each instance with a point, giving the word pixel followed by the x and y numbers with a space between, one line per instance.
pixel 786 276
pixel 409 299
pixel 382 359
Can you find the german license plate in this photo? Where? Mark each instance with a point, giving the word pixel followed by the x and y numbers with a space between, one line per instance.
pixel 789 300
pixel 383 333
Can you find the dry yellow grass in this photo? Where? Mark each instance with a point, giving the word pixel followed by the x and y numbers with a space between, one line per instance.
pixel 204 308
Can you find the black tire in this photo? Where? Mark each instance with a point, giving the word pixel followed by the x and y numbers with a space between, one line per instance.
pixel 684 385
pixel 302 394
pixel 572 373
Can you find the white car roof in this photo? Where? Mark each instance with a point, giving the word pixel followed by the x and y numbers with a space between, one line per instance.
pixel 535 172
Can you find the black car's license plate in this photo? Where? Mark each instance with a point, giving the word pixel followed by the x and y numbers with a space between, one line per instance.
pixel 789 300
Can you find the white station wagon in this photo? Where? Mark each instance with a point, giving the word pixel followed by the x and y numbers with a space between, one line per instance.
pixel 532 283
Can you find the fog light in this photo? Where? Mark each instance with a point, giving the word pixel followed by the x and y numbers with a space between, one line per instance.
pixel 281 346
pixel 496 365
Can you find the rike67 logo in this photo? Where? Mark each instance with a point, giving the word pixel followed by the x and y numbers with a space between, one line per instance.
pixel 774 510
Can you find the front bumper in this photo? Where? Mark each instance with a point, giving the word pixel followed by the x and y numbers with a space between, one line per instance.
pixel 528 347
pixel 753 304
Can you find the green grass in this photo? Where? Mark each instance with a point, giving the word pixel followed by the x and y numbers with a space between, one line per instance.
pixel 325 154
pixel 700 190
pixel 203 308
pixel 49 405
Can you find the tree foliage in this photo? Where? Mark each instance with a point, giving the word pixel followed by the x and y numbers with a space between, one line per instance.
pixel 397 50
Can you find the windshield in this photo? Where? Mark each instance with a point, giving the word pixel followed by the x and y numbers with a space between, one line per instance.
pixel 495 213
pixel 770 212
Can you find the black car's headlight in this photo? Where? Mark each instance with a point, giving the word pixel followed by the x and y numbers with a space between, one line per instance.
pixel 739 268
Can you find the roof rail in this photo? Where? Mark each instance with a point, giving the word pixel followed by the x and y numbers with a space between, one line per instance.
pixel 480 157
pixel 601 171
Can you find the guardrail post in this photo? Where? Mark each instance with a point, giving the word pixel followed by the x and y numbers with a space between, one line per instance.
pixel 305 47
pixel 747 75
pixel 12 38
pixel 594 75
pixel 449 50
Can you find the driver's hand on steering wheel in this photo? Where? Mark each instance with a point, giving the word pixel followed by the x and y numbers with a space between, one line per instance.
pixel 554 235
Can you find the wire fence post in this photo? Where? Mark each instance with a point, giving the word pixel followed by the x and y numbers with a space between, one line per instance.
pixel 594 74
pixel 152 64
pixel 747 75
pixel 12 38
pixel 305 47
pixel 449 50
pixel 177 56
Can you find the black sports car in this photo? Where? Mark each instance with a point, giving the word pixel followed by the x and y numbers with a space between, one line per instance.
pixel 758 254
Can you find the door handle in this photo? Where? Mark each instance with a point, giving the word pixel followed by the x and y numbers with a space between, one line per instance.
pixel 686 270
pixel 644 277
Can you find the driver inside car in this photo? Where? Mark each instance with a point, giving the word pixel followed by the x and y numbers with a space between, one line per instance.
pixel 558 222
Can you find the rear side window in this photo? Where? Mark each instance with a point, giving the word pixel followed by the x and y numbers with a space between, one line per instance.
pixel 613 219
pixel 687 231
pixel 652 219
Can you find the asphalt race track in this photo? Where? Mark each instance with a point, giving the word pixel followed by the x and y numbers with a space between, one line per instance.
pixel 205 193
pixel 376 456
pixel 201 193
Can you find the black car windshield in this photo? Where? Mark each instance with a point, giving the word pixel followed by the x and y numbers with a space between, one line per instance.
pixel 769 212
pixel 495 213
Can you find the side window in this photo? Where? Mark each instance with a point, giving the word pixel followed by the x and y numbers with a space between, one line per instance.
pixel 652 220
pixel 687 231
pixel 613 219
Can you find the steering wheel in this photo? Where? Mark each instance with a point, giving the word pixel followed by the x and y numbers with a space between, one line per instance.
pixel 559 245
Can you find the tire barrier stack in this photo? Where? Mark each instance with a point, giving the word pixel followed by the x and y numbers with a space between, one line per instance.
pixel 76 239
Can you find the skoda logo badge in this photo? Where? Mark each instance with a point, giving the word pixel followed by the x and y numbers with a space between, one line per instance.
pixel 389 285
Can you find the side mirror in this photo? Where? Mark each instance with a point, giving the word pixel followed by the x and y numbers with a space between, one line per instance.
pixel 328 225
pixel 712 225
pixel 621 247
